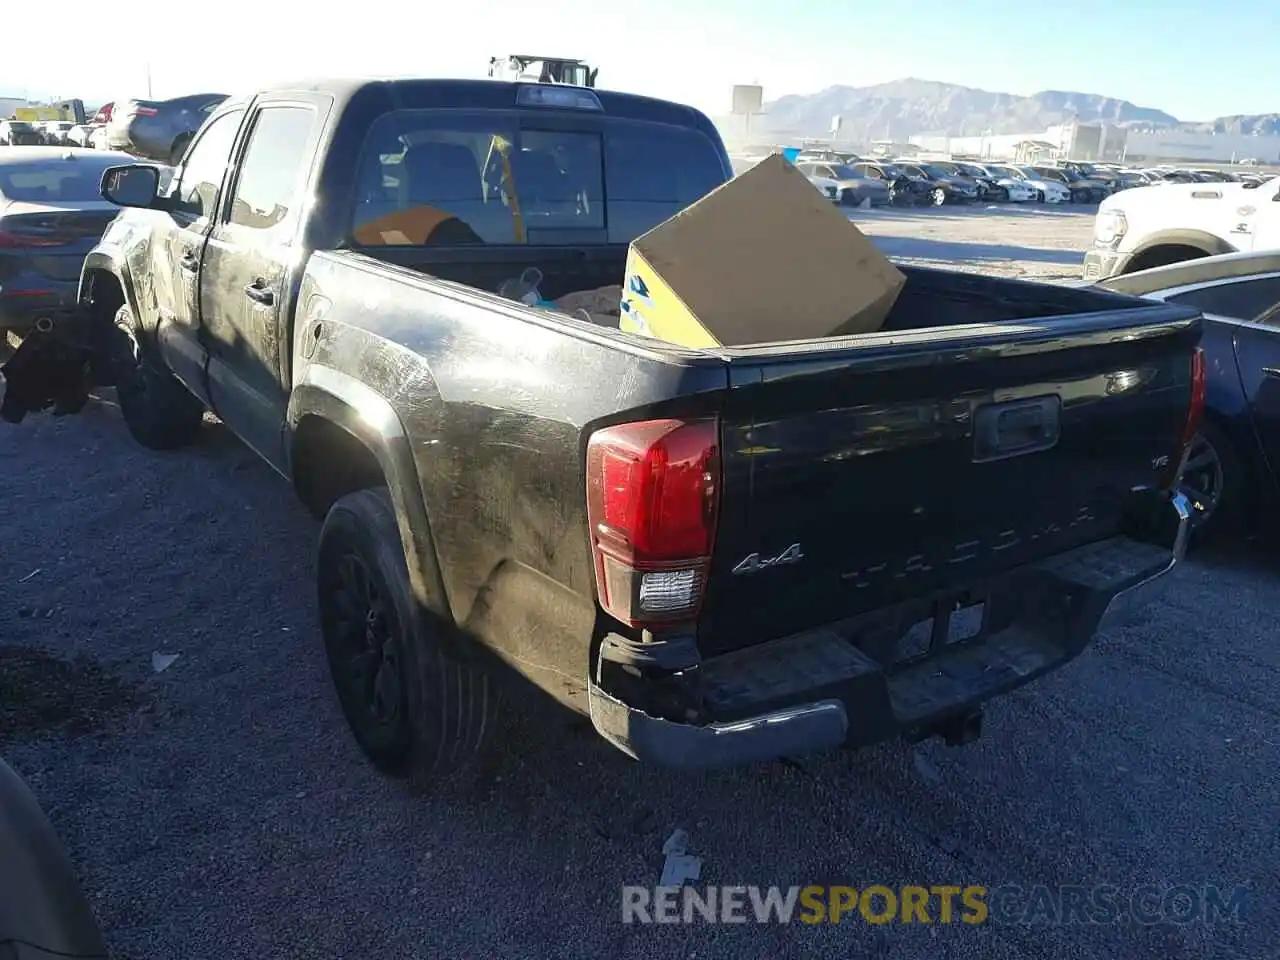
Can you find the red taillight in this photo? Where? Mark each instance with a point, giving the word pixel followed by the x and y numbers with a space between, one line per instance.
pixel 1195 409
pixel 653 489
pixel 142 111
pixel 11 241
pixel 1191 425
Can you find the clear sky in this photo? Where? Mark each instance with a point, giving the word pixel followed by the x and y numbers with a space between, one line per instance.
pixel 1192 58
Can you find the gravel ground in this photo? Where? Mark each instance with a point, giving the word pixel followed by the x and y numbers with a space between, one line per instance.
pixel 1032 241
pixel 218 809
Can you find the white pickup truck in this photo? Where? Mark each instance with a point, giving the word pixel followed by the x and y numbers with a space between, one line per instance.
pixel 1153 226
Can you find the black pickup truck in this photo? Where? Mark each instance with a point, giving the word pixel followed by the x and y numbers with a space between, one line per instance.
pixel 718 555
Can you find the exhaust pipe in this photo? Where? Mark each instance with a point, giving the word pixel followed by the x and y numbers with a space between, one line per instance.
pixel 44 324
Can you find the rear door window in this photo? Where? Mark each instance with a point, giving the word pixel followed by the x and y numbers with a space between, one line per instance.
pixel 271 174
pixel 449 177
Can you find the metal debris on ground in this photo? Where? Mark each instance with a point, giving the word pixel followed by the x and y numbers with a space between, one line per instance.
pixel 160 662
pixel 679 867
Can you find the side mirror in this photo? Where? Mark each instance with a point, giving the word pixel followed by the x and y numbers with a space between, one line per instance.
pixel 133 185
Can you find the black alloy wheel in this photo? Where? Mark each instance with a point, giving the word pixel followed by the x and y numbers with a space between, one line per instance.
pixel 1203 480
pixel 366 656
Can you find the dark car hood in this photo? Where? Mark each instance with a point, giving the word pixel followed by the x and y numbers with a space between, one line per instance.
pixel 957 183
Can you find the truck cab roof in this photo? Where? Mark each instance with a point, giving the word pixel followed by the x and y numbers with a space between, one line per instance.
pixel 479 94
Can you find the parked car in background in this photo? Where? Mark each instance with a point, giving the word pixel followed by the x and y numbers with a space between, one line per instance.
pixel 55 132
pixel 1230 476
pixel 1216 176
pixel 1082 190
pixel 905 189
pixel 945 187
pixel 1010 186
pixel 1139 229
pixel 51 215
pixel 159 129
pixel 1129 179
pixel 852 188
pixel 1046 189
pixel 826 156
pixel 1096 172
pixel 987 189
pixel 78 136
pixel 20 133
pixel 825 186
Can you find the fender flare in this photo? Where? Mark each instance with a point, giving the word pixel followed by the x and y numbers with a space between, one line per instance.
pixel 353 406
pixel 105 260
pixel 1200 239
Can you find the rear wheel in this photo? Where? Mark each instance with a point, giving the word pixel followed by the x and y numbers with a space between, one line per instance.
pixel 414 709
pixel 1212 480
pixel 159 411
pixel 938 197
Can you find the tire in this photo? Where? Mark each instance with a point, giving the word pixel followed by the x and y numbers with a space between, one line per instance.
pixel 178 149
pixel 415 710
pixel 1213 480
pixel 159 411
pixel 938 197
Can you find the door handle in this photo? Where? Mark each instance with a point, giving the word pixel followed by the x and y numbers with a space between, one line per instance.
pixel 256 291
pixel 189 262
pixel 1271 372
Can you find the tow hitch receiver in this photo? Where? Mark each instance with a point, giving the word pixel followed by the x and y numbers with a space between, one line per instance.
pixel 955 731
pixel 962 730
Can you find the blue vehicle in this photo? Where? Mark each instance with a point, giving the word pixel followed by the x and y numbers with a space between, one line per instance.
pixel 1232 471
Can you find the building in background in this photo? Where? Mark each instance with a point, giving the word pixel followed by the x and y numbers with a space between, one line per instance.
pixel 1176 145
pixel 1090 142
pixel 9 104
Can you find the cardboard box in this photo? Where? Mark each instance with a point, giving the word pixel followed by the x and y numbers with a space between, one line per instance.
pixel 763 258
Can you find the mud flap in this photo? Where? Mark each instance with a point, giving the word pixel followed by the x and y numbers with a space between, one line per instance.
pixel 46 372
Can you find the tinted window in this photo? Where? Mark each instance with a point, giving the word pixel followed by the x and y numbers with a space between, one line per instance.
pixel 61 180
pixel 655 171
pixel 1243 300
pixel 205 164
pixel 448 178
pixel 273 167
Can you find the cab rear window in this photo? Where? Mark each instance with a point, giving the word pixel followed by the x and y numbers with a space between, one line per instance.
pixel 429 178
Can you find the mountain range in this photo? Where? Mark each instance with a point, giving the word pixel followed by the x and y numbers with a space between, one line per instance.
pixel 900 108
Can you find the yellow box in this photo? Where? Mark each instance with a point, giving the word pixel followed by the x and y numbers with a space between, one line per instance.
pixel 762 258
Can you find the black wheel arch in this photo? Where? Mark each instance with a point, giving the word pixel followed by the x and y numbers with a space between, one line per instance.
pixel 1163 246
pixel 367 437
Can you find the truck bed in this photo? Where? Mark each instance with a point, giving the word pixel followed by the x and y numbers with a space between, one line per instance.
pixel 990 424
pixel 931 298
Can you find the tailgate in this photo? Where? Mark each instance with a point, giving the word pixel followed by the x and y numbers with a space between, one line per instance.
pixel 915 464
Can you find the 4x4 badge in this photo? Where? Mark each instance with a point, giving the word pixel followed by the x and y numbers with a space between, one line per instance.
pixel 754 563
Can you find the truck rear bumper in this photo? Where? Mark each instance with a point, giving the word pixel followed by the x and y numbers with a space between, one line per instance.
pixel 818 690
